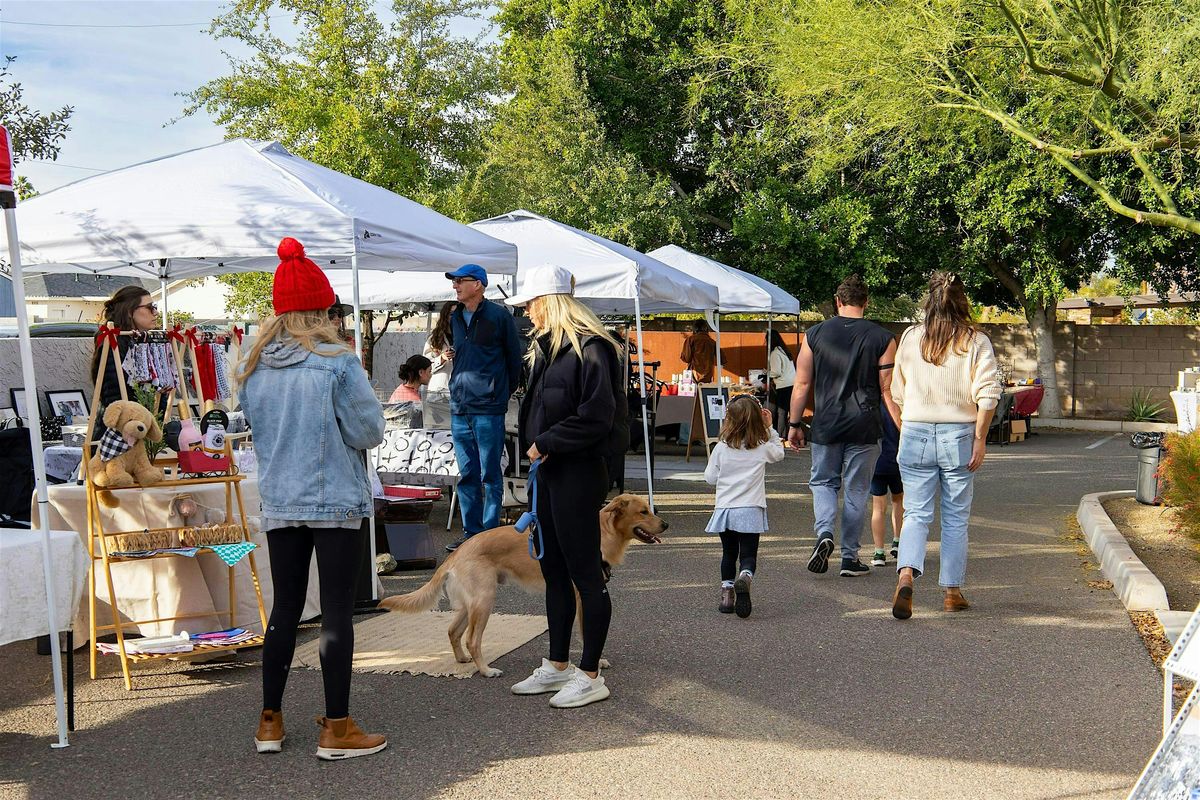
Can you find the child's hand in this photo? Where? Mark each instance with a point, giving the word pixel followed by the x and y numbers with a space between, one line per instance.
pixel 766 418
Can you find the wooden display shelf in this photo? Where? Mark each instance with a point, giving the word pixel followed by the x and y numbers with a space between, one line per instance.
pixel 198 649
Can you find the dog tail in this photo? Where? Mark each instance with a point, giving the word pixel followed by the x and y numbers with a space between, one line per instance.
pixel 422 599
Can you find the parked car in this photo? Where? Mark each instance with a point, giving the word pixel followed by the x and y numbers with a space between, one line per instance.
pixel 52 330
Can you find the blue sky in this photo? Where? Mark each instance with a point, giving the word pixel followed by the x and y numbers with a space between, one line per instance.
pixel 122 81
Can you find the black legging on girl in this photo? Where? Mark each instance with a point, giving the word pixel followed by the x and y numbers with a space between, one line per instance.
pixel 571 492
pixel 339 556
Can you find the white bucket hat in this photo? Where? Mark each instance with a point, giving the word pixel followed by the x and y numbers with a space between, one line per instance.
pixel 543 280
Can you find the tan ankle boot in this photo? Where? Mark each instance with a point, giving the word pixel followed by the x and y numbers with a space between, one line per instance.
pixel 726 605
pixel 902 599
pixel 270 736
pixel 954 600
pixel 341 738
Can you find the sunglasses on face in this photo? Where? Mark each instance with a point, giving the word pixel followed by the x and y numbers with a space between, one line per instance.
pixel 337 313
pixel 457 281
pixel 152 306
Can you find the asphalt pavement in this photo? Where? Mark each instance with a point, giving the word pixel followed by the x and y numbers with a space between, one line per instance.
pixel 1041 690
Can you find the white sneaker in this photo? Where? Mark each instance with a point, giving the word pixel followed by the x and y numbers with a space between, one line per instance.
pixel 580 691
pixel 546 678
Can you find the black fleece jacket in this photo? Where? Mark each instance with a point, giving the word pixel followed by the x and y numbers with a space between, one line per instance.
pixel 570 406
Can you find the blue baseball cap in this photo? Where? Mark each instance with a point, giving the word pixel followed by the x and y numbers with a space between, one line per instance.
pixel 469 271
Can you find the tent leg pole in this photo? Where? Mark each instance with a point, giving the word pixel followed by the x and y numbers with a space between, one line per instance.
pixel 358 351
pixel 39 470
pixel 775 406
pixel 162 282
pixel 717 325
pixel 637 310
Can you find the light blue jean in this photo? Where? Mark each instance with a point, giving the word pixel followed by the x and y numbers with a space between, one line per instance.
pixel 933 457
pixel 478 447
pixel 848 468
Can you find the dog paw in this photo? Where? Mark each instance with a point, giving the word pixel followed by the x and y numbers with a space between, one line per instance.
pixel 604 663
pixel 491 672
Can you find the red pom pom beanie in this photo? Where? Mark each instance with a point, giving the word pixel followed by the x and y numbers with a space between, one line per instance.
pixel 299 283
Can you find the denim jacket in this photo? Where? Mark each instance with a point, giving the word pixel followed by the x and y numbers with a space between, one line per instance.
pixel 313 415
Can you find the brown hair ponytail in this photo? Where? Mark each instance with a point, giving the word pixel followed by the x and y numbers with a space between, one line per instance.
pixel 947 318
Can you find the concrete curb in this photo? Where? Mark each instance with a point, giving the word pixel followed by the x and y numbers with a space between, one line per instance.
pixel 1136 585
pixel 1115 426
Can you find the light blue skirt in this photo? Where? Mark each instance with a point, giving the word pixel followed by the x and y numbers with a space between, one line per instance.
pixel 744 519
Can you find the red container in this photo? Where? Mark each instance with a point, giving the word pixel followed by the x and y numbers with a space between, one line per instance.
pixel 414 492
pixel 200 461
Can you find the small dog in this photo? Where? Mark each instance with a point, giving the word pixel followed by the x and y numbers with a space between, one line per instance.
pixel 488 559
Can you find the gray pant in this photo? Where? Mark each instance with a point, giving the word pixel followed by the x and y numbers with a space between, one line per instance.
pixel 845 467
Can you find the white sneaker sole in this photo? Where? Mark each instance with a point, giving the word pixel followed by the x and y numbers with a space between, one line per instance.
pixel 541 690
pixel 269 746
pixel 594 696
pixel 341 754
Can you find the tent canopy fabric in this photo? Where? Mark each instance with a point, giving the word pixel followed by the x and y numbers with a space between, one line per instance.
pixel 224 208
pixel 608 275
pixel 739 291
pixel 378 290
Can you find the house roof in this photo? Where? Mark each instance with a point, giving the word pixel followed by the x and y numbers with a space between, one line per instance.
pixel 1172 300
pixel 80 285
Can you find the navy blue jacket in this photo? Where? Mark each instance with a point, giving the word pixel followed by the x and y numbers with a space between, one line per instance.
pixel 487 360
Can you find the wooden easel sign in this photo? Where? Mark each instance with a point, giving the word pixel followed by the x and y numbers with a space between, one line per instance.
pixel 708 414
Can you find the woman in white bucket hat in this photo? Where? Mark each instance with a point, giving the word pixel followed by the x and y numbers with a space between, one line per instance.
pixel 568 421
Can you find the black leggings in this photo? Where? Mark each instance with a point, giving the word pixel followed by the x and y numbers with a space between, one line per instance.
pixel 733 544
pixel 339 557
pixel 570 494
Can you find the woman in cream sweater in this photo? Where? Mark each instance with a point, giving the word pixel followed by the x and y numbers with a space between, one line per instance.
pixel 947 386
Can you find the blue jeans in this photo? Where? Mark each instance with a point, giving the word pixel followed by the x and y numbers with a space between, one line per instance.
pixel 934 456
pixel 848 468
pixel 478 445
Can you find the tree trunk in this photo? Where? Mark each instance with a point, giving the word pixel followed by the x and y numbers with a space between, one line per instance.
pixel 1041 321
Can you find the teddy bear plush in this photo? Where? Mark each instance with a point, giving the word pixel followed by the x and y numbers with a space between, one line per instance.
pixel 121 458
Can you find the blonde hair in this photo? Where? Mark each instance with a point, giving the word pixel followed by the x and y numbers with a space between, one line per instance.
pixel 309 329
pixel 743 428
pixel 564 317
pixel 947 319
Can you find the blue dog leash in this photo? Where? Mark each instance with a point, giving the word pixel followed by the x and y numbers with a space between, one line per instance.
pixel 529 520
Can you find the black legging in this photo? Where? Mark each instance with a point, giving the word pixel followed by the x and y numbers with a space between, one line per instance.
pixel 783 405
pixel 735 545
pixel 339 557
pixel 570 494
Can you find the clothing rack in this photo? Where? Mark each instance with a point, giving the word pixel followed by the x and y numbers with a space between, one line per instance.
pixel 186 341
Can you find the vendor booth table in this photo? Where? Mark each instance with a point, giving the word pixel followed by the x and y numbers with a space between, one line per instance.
pixel 166 587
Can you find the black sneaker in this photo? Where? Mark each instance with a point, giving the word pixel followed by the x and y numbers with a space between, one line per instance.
pixel 895 551
pixel 818 562
pixel 450 548
pixel 741 591
pixel 853 568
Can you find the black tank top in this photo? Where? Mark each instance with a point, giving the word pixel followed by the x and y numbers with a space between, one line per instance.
pixel 846 394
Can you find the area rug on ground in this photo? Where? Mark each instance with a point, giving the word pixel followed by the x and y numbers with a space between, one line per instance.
pixel 417 643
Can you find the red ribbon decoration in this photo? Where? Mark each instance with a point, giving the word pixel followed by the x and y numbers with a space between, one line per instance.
pixel 174 334
pixel 190 333
pixel 238 333
pixel 107 333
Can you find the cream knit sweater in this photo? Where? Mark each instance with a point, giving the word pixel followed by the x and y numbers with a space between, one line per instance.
pixel 951 392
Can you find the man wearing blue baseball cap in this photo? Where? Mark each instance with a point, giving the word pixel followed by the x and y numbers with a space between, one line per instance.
pixel 487 368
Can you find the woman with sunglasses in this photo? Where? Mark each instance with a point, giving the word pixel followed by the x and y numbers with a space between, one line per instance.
pixel 130 309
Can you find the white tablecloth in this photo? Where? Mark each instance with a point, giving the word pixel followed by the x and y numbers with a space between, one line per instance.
pixel 164 587
pixel 1185 410
pixel 421 451
pixel 22 582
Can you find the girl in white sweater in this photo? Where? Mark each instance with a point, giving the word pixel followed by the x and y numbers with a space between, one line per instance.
pixel 946 385
pixel 738 467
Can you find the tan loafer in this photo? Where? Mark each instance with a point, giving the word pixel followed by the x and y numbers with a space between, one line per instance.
pixel 902 599
pixel 954 600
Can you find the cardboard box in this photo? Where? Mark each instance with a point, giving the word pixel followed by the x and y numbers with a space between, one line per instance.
pixel 1018 430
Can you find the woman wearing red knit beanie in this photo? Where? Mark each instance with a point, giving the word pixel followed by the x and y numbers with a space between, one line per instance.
pixel 314 415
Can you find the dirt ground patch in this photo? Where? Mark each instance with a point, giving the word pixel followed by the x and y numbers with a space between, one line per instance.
pixel 1170 555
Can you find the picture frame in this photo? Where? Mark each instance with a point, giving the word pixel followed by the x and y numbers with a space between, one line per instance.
pixel 69 403
pixel 19 403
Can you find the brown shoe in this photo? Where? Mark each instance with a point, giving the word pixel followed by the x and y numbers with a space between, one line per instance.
pixel 902 599
pixel 954 600
pixel 726 606
pixel 341 738
pixel 270 736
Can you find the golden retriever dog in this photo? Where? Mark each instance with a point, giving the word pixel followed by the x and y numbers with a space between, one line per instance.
pixel 472 572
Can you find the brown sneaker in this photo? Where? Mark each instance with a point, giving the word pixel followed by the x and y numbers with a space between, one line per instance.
pixel 270 736
pixel 954 600
pixel 341 738
pixel 726 606
pixel 902 599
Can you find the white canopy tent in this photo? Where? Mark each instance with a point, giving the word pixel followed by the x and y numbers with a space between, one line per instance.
pixel 215 210
pixel 609 278
pixel 740 291
pixel 379 290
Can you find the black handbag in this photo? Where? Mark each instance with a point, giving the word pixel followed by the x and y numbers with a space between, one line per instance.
pixel 52 428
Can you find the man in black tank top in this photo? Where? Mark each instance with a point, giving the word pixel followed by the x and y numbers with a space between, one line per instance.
pixel 845 362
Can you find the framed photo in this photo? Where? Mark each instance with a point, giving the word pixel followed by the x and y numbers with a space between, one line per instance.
pixel 67 404
pixel 19 403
